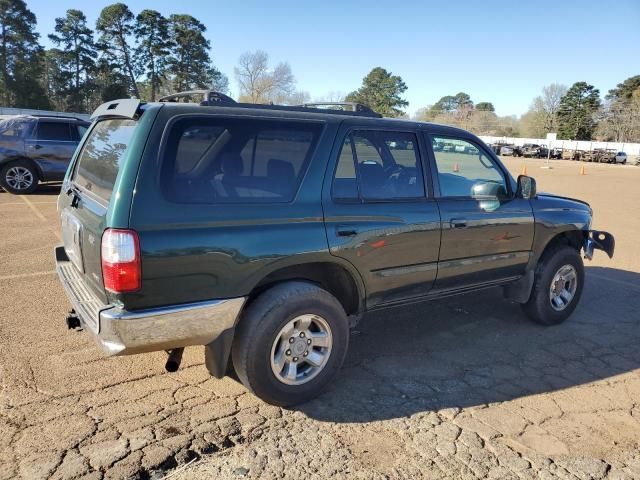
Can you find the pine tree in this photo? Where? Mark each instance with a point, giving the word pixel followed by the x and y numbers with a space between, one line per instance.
pixel 189 62
pixel 152 33
pixel 116 25
pixel 577 110
pixel 382 92
pixel 21 57
pixel 78 58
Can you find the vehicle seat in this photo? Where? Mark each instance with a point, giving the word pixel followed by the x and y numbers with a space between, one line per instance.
pixel 373 180
pixel 226 182
pixel 281 176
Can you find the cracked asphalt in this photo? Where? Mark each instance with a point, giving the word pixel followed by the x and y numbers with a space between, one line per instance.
pixel 462 388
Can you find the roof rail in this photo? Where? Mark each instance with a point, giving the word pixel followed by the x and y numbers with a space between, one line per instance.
pixel 217 99
pixel 341 106
pixel 208 97
pixel 59 117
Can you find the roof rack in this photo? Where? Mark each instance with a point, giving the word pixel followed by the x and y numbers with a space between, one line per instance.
pixel 341 106
pixel 208 97
pixel 213 98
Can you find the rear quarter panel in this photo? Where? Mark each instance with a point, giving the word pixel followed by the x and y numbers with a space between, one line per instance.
pixel 201 252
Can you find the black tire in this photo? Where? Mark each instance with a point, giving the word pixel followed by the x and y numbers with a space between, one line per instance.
pixel 24 166
pixel 259 327
pixel 539 308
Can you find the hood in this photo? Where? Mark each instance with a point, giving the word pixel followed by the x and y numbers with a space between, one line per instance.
pixel 549 200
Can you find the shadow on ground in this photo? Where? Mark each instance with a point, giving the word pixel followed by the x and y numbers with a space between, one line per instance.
pixel 479 349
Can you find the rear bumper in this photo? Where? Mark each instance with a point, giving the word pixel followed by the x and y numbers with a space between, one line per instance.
pixel 121 332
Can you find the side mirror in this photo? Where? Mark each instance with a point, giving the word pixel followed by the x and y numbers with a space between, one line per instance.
pixel 526 187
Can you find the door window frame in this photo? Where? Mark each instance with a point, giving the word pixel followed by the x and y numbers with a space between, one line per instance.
pixel 421 162
pixel 34 133
pixel 428 140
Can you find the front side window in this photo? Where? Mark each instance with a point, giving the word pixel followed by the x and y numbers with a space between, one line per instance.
pixel 53 131
pixel 236 160
pixel 464 170
pixel 378 165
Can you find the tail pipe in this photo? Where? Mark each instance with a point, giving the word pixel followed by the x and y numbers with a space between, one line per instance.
pixel 174 359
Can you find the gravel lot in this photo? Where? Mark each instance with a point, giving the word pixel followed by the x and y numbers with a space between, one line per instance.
pixel 463 388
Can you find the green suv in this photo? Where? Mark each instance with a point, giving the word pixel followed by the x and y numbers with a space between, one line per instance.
pixel 263 233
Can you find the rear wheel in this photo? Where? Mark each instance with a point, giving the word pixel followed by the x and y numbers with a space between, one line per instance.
pixel 290 343
pixel 19 178
pixel 559 280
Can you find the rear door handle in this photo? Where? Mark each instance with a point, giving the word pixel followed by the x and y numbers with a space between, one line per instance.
pixel 37 147
pixel 346 231
pixel 458 223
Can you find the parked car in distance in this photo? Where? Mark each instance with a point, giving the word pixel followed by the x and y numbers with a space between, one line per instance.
pixel 264 232
pixel 36 149
pixel 556 153
pixel 621 157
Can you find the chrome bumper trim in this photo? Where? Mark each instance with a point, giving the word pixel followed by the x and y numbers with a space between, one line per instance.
pixel 164 328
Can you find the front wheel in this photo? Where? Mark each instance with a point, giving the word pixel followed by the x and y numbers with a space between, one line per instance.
pixel 559 280
pixel 290 343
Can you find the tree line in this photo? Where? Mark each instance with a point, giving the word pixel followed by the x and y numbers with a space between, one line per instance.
pixel 148 55
pixel 575 113
pixel 143 55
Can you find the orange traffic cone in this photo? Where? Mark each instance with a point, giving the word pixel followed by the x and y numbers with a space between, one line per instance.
pixel 456 168
pixel 524 170
pixel 582 172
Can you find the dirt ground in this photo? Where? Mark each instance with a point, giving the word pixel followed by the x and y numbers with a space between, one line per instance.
pixel 462 388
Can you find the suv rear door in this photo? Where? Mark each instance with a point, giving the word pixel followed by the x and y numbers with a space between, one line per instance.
pixel 88 193
pixel 487 233
pixel 379 215
pixel 51 146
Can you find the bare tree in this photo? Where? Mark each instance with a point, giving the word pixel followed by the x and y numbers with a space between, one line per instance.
pixel 260 84
pixel 542 115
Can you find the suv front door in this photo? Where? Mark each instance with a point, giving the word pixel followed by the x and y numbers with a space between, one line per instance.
pixel 378 215
pixel 487 233
pixel 51 146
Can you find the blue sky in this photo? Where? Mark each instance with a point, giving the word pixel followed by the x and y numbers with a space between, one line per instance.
pixel 498 51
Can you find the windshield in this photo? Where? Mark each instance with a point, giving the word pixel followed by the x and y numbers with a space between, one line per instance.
pixel 99 161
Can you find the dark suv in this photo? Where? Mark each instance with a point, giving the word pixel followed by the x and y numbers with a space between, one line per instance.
pixel 264 232
pixel 34 149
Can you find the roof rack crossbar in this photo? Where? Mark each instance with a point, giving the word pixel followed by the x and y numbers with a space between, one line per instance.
pixel 209 97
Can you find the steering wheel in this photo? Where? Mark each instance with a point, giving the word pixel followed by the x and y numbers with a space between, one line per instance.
pixel 396 172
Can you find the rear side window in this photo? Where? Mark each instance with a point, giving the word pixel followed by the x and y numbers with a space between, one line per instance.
pixel 380 166
pixel 54 131
pixel 99 160
pixel 209 160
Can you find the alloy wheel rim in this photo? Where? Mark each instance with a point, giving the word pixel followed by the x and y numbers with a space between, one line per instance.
pixel 563 287
pixel 19 178
pixel 301 349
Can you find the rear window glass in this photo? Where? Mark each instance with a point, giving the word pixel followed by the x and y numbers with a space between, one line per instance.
pixel 14 128
pixel 236 160
pixel 100 158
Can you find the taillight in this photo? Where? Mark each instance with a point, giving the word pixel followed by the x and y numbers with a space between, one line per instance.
pixel 121 270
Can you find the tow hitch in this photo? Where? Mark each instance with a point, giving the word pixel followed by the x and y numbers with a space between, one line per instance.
pixel 596 240
pixel 73 321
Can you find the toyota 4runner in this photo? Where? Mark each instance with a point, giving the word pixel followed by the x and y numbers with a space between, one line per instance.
pixel 264 232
